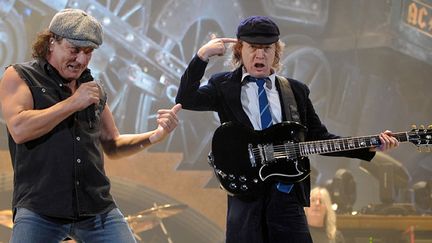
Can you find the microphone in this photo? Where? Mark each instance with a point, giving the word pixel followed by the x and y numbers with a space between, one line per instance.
pixel 90 111
pixel 91 115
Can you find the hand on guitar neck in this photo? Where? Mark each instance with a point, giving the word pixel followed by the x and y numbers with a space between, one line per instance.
pixel 388 141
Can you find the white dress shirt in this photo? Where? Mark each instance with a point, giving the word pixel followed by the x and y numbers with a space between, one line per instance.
pixel 250 101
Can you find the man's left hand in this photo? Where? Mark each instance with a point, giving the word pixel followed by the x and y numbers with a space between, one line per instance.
pixel 167 121
pixel 387 142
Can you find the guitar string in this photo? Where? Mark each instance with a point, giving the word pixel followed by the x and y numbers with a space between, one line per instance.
pixel 321 146
pixel 325 146
pixel 328 146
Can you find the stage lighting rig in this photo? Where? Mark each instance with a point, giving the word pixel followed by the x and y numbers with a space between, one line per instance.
pixel 393 181
pixel 343 191
pixel 423 196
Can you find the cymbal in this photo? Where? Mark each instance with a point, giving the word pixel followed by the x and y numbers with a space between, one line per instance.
pixel 164 211
pixel 150 218
pixel 6 218
pixel 140 223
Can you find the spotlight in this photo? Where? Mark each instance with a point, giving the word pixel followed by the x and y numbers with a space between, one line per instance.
pixel 392 178
pixel 343 191
pixel 423 196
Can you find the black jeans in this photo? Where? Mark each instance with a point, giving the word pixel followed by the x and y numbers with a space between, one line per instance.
pixel 275 217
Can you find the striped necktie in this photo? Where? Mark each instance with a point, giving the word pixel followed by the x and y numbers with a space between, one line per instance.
pixel 266 120
pixel 264 106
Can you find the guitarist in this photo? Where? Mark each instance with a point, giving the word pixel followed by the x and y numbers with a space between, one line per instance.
pixel 276 215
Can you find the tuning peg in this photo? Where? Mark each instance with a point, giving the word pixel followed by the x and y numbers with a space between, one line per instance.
pixel 414 127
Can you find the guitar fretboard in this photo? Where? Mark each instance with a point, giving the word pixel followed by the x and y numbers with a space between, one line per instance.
pixel 344 144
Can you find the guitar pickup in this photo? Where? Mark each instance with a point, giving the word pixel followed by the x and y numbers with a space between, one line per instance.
pixel 267 153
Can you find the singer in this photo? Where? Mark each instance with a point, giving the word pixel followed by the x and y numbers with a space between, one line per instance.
pixel 59 127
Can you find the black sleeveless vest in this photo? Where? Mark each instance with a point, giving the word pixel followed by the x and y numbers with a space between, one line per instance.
pixel 60 174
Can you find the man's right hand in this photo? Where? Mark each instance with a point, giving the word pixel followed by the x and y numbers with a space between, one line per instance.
pixel 87 94
pixel 216 46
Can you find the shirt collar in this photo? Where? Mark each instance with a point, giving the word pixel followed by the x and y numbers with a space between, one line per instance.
pixel 269 84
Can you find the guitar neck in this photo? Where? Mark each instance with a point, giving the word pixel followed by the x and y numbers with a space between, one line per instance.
pixel 344 144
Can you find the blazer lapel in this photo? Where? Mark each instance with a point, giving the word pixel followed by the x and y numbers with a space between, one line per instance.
pixel 231 90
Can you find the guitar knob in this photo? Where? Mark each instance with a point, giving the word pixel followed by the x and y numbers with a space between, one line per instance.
pixel 242 179
pixel 244 188
pixel 233 186
pixel 231 177
pixel 414 127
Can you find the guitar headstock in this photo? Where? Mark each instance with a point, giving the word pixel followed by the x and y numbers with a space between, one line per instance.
pixel 421 137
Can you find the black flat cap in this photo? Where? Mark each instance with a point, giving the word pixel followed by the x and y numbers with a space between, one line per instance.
pixel 258 30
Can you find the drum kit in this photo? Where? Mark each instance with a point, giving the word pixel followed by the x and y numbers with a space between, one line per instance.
pixel 139 222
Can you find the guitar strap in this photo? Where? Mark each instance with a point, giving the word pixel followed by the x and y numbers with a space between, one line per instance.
pixel 288 100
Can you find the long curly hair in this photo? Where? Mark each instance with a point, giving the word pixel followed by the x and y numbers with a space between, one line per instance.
pixel 236 58
pixel 40 47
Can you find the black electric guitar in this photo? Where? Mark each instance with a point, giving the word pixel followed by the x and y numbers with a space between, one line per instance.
pixel 243 159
